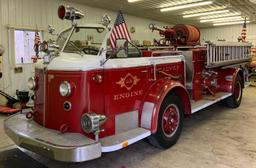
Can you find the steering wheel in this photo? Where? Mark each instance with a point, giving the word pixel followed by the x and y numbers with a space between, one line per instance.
pixel 90 50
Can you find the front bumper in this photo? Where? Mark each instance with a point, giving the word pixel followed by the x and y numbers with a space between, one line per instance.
pixel 68 147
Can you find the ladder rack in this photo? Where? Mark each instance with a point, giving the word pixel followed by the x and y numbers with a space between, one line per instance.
pixel 227 53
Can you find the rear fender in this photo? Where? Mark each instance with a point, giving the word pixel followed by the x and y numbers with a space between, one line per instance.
pixel 228 78
pixel 154 98
pixel 238 72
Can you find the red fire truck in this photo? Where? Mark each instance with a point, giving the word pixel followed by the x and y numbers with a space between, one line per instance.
pixel 90 99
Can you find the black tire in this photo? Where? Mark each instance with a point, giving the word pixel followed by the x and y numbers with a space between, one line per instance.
pixel 235 99
pixel 161 139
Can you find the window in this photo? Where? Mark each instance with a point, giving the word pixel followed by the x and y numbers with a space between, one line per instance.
pixel 133 51
pixel 125 49
pixel 21 44
pixel 24 46
pixel 83 40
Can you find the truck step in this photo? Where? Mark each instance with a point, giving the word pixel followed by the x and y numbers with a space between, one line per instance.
pixel 122 140
pixel 201 104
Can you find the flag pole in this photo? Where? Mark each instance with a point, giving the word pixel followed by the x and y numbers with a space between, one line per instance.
pixel 243 33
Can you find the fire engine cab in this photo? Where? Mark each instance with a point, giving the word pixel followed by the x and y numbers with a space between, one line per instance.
pixel 90 99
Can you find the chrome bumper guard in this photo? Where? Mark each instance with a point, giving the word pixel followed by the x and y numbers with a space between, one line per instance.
pixel 68 147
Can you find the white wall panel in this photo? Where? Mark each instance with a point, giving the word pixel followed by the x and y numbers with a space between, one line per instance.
pixel 41 13
pixel 229 33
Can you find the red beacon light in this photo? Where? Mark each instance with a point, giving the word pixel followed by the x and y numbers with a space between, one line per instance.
pixel 69 13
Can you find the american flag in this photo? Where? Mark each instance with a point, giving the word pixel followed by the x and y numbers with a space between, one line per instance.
pixel 119 30
pixel 243 33
pixel 37 42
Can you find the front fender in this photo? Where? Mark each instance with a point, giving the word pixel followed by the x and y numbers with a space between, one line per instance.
pixel 154 98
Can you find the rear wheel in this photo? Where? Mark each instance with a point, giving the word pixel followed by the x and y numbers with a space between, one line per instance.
pixel 170 123
pixel 234 101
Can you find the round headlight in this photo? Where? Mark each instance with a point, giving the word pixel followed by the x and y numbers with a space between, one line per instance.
pixel 65 89
pixel 31 83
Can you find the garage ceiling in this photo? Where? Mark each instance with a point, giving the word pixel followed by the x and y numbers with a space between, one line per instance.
pixel 151 9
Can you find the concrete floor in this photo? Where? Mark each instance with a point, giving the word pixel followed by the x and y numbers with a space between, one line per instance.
pixel 216 137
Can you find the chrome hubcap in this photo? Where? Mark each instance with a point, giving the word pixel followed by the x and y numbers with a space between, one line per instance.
pixel 170 120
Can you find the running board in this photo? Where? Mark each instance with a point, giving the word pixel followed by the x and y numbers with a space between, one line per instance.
pixel 201 104
pixel 122 140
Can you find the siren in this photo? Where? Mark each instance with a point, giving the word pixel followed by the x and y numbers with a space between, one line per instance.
pixel 69 13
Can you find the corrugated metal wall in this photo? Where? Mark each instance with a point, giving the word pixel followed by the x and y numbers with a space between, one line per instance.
pixel 41 13
pixel 229 33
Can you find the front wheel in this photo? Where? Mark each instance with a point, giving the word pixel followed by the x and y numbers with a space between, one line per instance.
pixel 234 100
pixel 170 123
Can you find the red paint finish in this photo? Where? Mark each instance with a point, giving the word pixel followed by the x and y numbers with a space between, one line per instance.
pixel 170 120
pixel 120 90
pixel 86 96
pixel 158 91
pixel 114 91
pixel 226 79
pixel 175 69
pixel 127 87
pixel 55 115
pixel 203 77
pixel 167 88
pixel 198 58
pixel 39 103
pixel 147 53
pixel 124 90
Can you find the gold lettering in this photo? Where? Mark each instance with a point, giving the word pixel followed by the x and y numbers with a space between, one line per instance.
pixel 115 97
pixel 127 95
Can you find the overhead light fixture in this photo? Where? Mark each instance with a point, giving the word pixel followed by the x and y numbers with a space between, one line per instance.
pixel 219 16
pixel 131 1
pixel 229 23
pixel 205 13
pixel 253 1
pixel 221 19
pixel 185 6
pixel 177 3
pixel 231 20
pixel 206 9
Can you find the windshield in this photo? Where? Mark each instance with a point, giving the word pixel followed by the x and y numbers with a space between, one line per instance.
pixel 84 40
pixel 62 37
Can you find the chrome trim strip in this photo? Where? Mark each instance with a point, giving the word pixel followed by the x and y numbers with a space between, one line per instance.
pixel 122 140
pixel 45 82
pixel 146 116
pixel 29 135
pixel 126 121
pixel 206 103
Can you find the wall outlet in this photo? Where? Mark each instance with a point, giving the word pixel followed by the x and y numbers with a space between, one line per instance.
pixel 18 70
